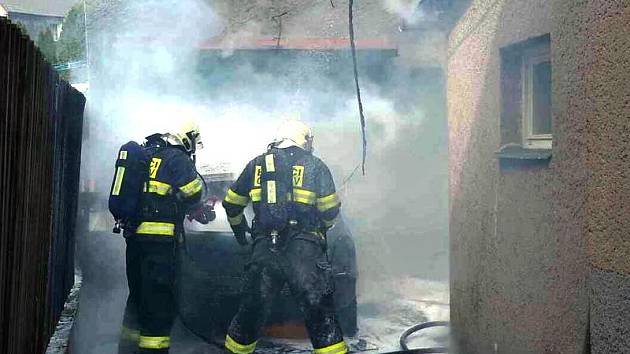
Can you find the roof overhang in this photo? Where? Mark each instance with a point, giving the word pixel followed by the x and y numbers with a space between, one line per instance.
pixel 26 13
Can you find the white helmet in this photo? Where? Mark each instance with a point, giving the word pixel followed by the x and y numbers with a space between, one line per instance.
pixel 293 132
pixel 188 135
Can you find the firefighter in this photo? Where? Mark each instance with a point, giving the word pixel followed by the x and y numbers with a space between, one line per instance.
pixel 172 189
pixel 296 255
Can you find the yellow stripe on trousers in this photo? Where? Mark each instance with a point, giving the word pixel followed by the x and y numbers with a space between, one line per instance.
pixel 147 342
pixel 339 348
pixel 238 348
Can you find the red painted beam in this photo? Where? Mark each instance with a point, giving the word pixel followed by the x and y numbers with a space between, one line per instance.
pixel 299 43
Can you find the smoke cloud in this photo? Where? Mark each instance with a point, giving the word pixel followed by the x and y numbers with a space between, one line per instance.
pixel 149 73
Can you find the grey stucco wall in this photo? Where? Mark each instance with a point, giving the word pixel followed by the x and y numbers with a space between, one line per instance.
pixel 518 266
pixel 593 48
pixel 540 257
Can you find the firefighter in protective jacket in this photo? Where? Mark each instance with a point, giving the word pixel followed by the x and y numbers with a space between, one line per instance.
pixel 294 254
pixel 172 189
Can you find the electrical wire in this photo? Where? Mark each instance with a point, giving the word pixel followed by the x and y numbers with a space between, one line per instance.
pixel 87 48
pixel 353 49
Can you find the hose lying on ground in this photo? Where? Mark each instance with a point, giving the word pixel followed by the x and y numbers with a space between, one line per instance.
pixel 405 336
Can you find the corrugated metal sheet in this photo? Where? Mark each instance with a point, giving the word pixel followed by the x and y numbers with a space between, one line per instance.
pixel 41 121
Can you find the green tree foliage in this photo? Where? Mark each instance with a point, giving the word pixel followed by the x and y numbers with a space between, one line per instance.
pixel 44 41
pixel 71 45
pixel 46 44
pixel 22 27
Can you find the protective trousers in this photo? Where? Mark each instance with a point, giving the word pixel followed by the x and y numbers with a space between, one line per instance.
pixel 303 265
pixel 150 309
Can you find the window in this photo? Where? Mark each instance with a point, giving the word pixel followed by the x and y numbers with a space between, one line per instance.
pixel 56 31
pixel 536 88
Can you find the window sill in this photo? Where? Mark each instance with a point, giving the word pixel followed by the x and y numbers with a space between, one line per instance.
pixel 518 152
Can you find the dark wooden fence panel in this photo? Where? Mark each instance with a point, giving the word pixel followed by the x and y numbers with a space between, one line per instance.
pixel 41 122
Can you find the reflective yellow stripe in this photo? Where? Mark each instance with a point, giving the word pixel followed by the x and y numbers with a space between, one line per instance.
pixel 257 176
pixel 329 223
pixel 298 176
pixel 318 234
pixel 192 188
pixel 154 167
pixel 328 202
pixel 236 199
pixel 269 163
pixel 303 196
pixel 271 192
pixel 120 174
pixel 123 155
pixel 256 194
pixel 339 348
pixel 236 220
pixel 238 348
pixel 154 342
pixel 159 188
pixel 156 228
pixel 131 335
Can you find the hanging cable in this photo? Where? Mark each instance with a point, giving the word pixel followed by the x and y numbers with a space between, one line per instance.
pixel 356 81
pixel 278 20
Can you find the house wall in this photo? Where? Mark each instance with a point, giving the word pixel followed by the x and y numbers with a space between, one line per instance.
pixel 518 266
pixel 593 97
pixel 35 24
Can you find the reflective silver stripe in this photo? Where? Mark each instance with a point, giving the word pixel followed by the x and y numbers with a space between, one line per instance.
pixel 271 192
pixel 120 174
pixel 271 167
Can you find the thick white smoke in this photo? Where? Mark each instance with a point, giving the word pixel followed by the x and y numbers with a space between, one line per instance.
pixel 148 76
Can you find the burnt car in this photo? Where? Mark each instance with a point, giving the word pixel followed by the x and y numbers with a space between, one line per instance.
pixel 211 264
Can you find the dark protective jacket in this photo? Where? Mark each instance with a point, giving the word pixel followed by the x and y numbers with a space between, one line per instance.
pixel 173 188
pixel 315 203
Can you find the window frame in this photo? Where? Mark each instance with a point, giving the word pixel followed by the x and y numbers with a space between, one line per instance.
pixel 532 56
pixel 56 29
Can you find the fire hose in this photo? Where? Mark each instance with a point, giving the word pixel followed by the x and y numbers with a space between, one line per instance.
pixel 406 334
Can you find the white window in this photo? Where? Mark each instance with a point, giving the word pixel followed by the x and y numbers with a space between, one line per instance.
pixel 56 31
pixel 537 113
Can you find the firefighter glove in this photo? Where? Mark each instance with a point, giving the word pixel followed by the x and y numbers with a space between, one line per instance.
pixel 204 214
pixel 239 232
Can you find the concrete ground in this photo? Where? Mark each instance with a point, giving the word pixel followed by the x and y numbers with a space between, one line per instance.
pixel 385 309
